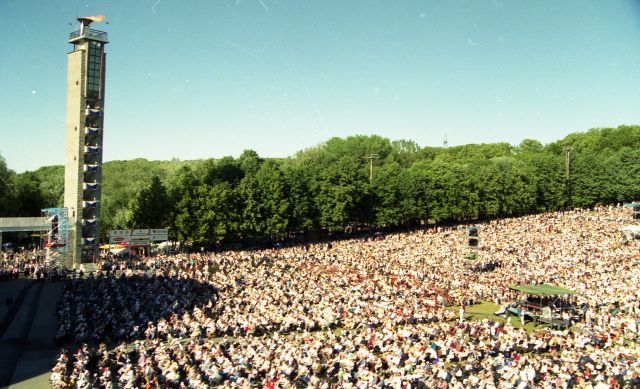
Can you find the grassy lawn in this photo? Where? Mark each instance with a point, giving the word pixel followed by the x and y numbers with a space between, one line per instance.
pixel 486 309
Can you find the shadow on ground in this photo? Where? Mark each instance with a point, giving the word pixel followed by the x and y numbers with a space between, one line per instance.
pixel 112 310
pixel 48 316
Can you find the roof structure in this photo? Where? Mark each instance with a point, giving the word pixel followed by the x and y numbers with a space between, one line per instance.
pixel 542 290
pixel 632 228
pixel 14 224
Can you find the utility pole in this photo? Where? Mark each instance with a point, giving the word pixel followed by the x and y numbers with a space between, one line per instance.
pixel 371 157
pixel 445 143
pixel 567 157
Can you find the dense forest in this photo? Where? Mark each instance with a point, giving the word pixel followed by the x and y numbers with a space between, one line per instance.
pixel 331 187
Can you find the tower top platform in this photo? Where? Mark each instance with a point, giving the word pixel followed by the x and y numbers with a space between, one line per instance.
pixel 94 35
pixel 87 33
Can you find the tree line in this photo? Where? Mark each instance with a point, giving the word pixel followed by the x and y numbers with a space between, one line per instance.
pixel 331 187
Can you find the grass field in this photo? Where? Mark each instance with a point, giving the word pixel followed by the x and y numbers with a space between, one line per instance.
pixel 486 309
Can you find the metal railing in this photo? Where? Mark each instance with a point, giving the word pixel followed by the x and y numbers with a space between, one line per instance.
pixel 89 34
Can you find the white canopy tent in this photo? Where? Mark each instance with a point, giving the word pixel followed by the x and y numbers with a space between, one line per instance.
pixel 631 231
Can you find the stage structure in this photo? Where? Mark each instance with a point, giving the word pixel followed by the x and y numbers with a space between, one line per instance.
pixel 83 154
pixel 56 239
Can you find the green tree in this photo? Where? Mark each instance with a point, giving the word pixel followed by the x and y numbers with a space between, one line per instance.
pixel 327 186
pixel 29 198
pixel 182 194
pixel 225 169
pixel 625 174
pixel 7 189
pixel 548 173
pixel 389 195
pixel 451 194
pixel 214 214
pixel 51 183
pixel 151 207
pixel 506 187
pixel 342 194
pixel 302 213
pixel 122 181
pixel 249 161
pixel 405 152
pixel 265 204
pixel 530 146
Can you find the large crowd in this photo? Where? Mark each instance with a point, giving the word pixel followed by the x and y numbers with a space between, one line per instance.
pixel 363 313
pixel 25 263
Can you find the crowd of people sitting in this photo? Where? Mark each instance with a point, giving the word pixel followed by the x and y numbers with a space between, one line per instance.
pixel 363 313
pixel 109 308
pixel 27 264
pixel 9 272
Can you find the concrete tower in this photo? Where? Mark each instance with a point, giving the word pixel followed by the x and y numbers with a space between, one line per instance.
pixel 83 154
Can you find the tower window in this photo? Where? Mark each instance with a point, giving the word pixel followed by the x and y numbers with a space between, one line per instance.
pixel 94 70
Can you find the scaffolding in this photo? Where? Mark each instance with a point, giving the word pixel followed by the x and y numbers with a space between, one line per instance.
pixel 56 239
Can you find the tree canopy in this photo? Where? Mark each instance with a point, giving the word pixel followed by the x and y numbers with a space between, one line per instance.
pixel 328 187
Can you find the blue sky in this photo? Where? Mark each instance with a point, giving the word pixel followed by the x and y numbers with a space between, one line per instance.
pixel 208 78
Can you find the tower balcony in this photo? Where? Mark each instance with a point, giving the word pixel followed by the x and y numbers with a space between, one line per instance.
pixel 89 186
pixel 93 112
pixel 91 168
pixel 88 241
pixel 91 149
pixel 90 222
pixel 88 33
pixel 89 213
pixel 90 204
pixel 93 121
pixel 91 130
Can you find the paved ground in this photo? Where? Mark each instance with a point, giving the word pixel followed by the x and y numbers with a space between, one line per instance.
pixel 9 289
pixel 27 349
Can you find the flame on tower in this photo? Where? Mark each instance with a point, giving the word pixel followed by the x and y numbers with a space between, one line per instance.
pixel 97 18
pixel 85 21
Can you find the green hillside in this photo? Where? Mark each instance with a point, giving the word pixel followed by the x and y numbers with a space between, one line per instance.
pixel 328 187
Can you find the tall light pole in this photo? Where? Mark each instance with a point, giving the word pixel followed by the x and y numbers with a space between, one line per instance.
pixel 567 158
pixel 371 157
